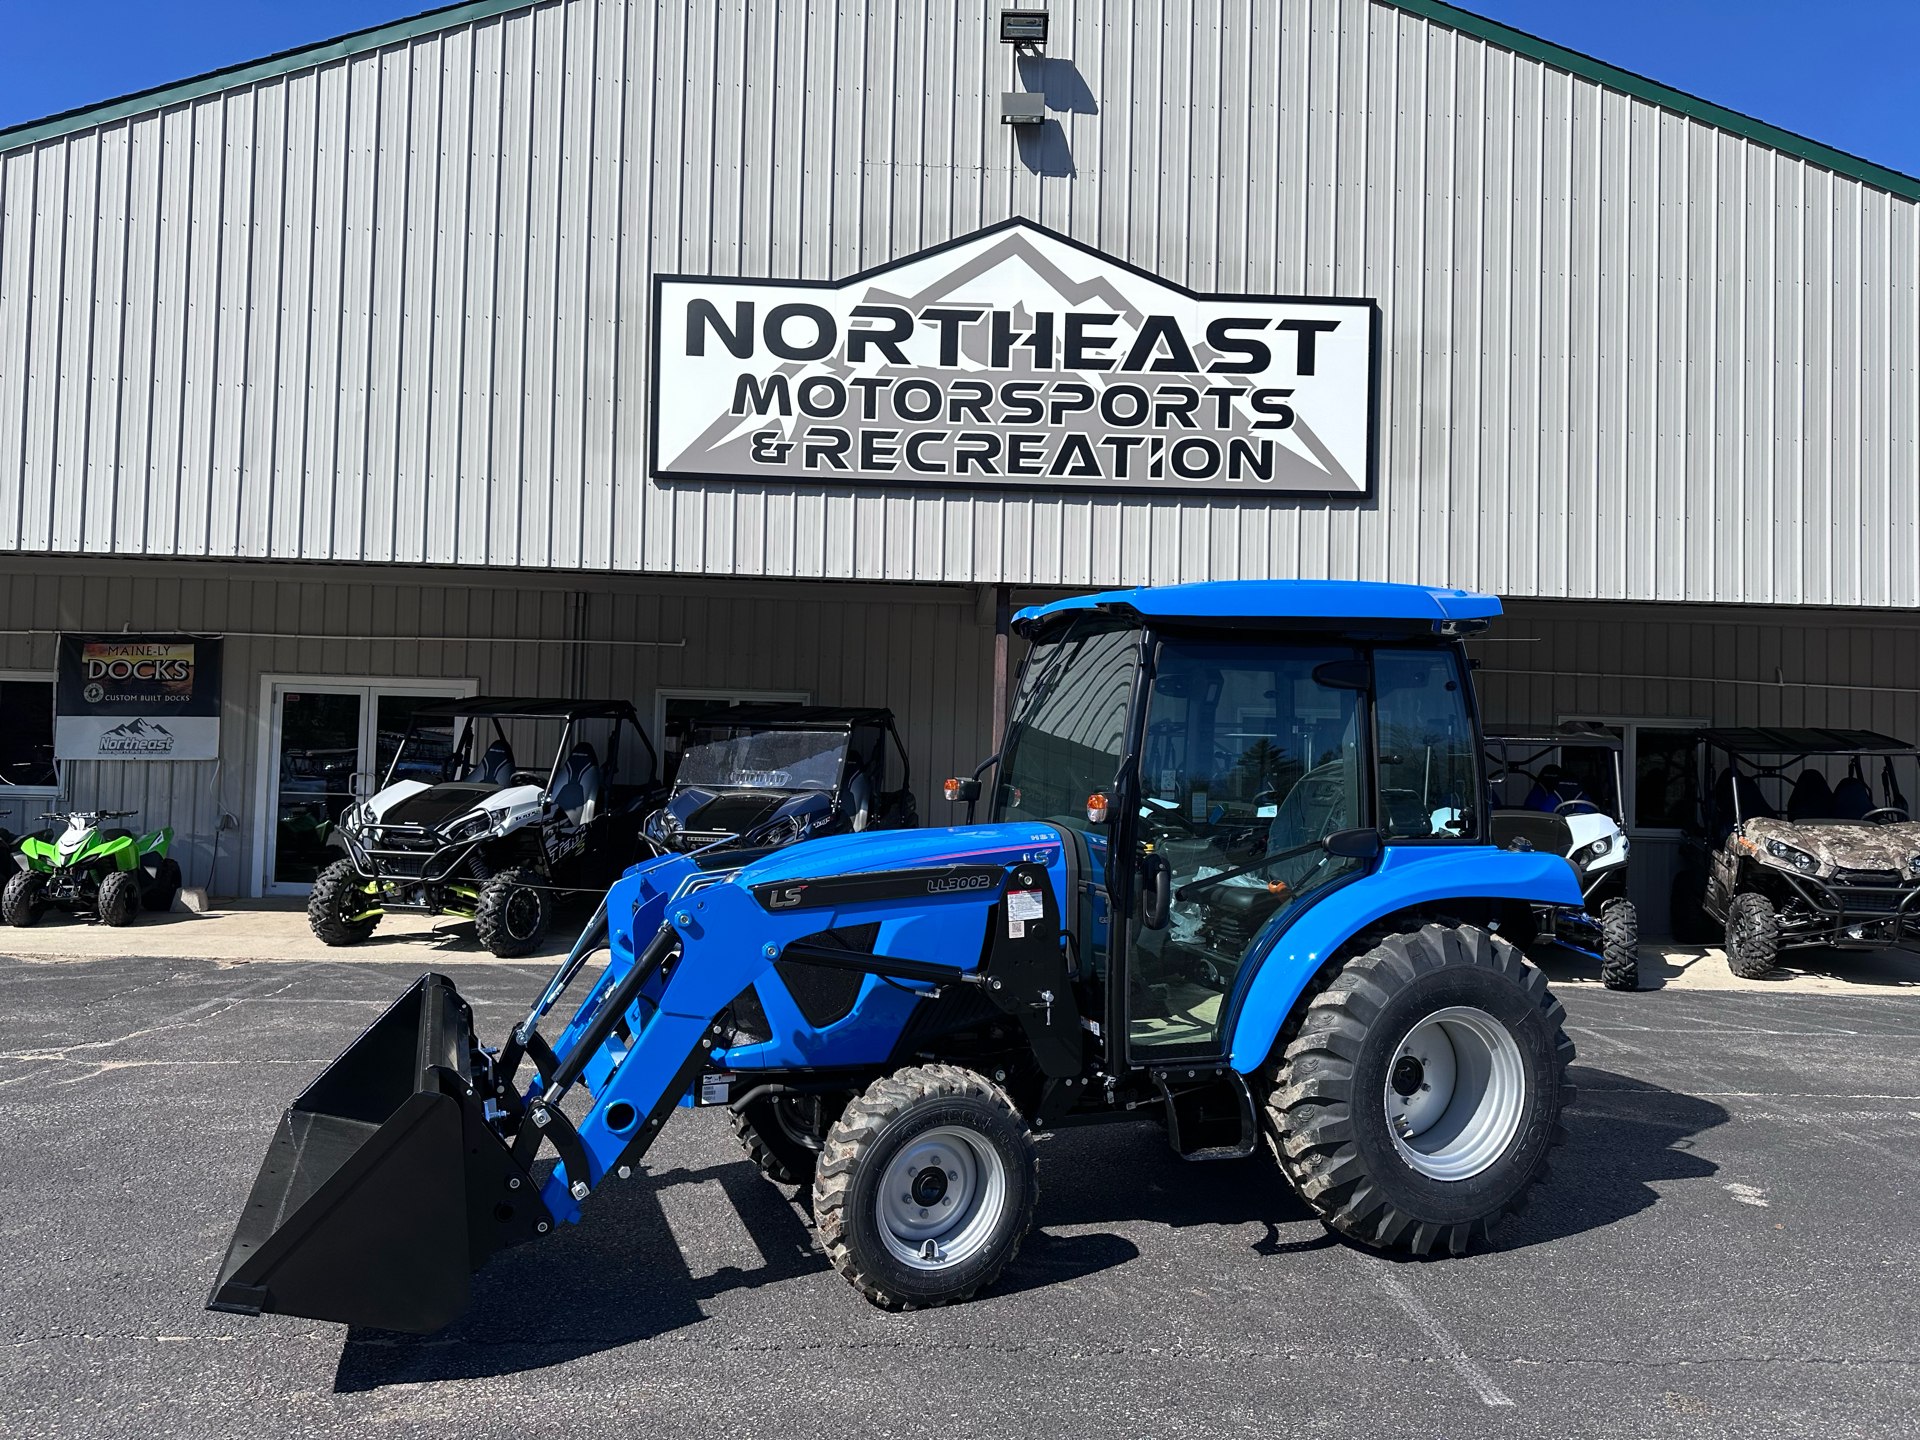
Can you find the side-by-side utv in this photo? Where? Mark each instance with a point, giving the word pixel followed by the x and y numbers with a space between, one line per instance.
pixel 1796 848
pixel 771 774
pixel 489 809
pixel 1559 790
pixel 1235 879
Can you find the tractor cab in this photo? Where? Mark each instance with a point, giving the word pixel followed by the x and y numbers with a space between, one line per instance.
pixel 1218 776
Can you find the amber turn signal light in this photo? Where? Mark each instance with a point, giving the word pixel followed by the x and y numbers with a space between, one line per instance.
pixel 1096 809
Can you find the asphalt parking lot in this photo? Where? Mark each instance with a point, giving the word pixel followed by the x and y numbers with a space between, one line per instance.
pixel 1727 1247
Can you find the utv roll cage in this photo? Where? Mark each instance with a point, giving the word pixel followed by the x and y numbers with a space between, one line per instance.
pixel 400 853
pixel 1855 904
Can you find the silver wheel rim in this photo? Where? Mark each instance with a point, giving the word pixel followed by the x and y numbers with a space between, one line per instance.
pixel 963 1208
pixel 1455 1093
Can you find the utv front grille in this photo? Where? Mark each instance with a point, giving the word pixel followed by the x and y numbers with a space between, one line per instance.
pixel 1867 877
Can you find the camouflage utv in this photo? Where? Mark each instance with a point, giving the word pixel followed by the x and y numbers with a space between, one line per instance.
pixel 1795 847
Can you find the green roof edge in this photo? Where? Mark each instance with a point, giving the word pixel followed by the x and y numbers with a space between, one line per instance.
pixel 249 72
pixel 1639 87
pixel 1585 67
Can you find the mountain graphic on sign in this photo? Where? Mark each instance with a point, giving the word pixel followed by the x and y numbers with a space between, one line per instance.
pixel 137 728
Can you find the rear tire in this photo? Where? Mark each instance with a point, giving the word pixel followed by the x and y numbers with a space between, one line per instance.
pixel 338 896
pixel 1455 1034
pixel 926 1185
pixel 1753 936
pixel 164 886
pixel 512 913
pixel 777 1148
pixel 118 901
pixel 23 902
pixel 1619 945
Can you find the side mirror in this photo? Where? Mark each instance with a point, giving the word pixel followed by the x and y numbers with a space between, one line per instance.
pixel 1353 844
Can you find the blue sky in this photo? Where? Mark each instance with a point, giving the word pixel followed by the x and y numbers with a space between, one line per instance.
pixel 1846 72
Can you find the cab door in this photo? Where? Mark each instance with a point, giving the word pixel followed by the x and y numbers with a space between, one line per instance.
pixel 1250 755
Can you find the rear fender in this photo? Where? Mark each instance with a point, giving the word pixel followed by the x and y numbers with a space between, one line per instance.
pixel 1407 875
pixel 155 842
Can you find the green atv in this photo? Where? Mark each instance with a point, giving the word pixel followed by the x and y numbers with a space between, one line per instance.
pixel 108 873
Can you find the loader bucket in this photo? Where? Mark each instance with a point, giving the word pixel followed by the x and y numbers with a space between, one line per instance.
pixel 384 1187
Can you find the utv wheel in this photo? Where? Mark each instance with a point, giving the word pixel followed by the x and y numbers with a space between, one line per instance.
pixel 776 1140
pixel 164 886
pixel 1416 1106
pixel 1619 945
pixel 1753 936
pixel 338 904
pixel 23 901
pixel 512 913
pixel 118 902
pixel 925 1186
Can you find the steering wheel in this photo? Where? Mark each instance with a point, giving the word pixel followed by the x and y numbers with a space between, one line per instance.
pixel 1886 815
pixel 1576 807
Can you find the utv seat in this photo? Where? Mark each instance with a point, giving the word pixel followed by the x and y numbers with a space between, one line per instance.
pixel 579 789
pixel 1812 798
pixel 495 767
pixel 1852 799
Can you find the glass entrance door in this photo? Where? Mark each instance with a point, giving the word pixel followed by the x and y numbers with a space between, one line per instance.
pixel 331 744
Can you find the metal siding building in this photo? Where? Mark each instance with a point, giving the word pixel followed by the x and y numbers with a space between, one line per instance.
pixel 383 303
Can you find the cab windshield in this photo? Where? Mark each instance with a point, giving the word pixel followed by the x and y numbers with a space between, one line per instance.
pixel 764 760
pixel 1070 723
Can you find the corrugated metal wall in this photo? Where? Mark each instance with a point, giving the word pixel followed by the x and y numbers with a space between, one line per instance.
pixel 923 652
pixel 394 308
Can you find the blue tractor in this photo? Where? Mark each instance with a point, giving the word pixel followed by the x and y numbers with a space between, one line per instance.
pixel 1235 879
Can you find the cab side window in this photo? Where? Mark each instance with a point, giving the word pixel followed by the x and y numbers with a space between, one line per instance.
pixel 1427 762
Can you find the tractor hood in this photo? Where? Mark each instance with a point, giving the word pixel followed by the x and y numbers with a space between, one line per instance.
pixel 1842 844
pixel 907 850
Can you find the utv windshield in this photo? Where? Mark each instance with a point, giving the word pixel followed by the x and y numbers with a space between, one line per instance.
pixel 766 760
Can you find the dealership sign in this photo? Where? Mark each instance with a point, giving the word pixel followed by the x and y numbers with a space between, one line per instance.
pixel 1013 358
pixel 137 697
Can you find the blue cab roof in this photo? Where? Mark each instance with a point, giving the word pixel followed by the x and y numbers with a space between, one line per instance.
pixel 1317 600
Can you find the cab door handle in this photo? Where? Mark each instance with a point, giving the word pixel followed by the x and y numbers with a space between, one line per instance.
pixel 1156 891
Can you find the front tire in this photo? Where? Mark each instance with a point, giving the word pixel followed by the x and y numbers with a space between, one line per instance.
pixel 118 901
pixel 1619 945
pixel 1753 936
pixel 338 904
pixel 925 1187
pixel 1417 1104
pixel 23 901
pixel 512 913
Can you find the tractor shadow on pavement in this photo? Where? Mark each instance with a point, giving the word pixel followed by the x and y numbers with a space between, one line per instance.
pixel 624 1276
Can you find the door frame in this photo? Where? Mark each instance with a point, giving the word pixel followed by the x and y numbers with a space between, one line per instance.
pixel 267 737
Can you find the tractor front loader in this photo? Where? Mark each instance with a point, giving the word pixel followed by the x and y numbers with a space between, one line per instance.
pixel 1236 881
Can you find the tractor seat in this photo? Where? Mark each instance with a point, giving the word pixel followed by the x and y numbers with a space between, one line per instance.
pixel 495 767
pixel 1812 798
pixel 579 787
pixel 1852 799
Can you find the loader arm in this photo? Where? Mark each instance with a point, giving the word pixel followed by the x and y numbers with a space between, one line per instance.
pixel 683 944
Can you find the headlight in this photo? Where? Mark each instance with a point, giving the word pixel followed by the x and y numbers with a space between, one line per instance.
pixel 471 828
pixel 1602 846
pixel 1913 866
pixel 1799 859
